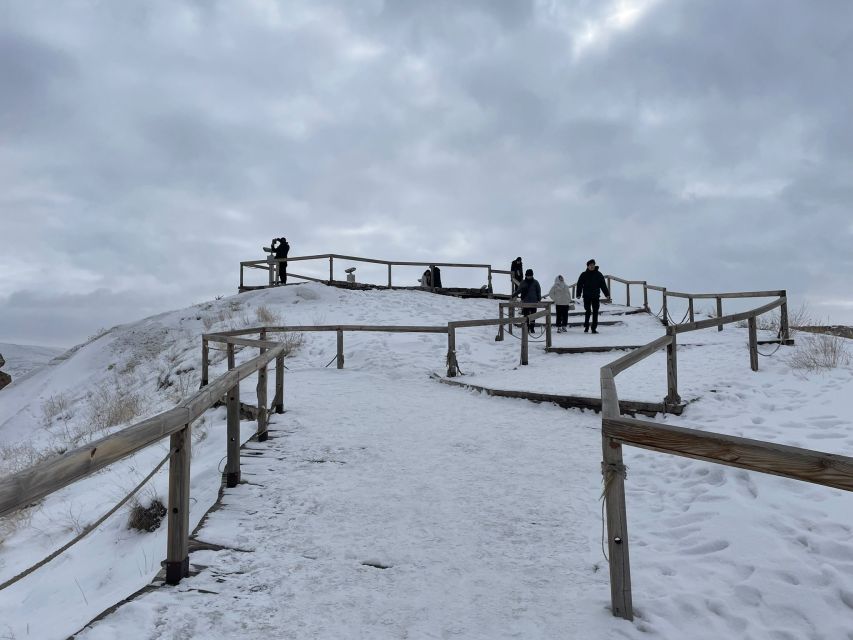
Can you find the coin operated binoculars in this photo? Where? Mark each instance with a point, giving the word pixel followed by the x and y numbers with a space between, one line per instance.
pixel 350 275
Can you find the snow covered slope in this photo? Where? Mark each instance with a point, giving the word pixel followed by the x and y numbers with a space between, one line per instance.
pixel 23 358
pixel 485 510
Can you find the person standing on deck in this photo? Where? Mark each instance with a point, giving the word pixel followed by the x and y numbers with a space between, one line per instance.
pixel 529 291
pixel 280 248
pixel 561 294
pixel 436 276
pixel 426 279
pixel 516 271
pixel 590 285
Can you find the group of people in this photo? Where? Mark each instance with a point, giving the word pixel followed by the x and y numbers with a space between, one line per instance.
pixel 431 279
pixel 590 285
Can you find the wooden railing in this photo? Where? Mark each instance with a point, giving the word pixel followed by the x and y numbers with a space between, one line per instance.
pixel 271 265
pixel 237 337
pixel 34 483
pixel 617 430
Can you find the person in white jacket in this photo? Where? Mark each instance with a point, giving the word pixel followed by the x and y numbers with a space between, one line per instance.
pixel 561 294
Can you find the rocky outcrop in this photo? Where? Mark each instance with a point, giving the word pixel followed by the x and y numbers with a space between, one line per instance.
pixel 5 378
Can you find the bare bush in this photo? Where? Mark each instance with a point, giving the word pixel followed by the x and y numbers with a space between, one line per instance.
pixel 109 406
pixel 146 518
pixel 293 341
pixel 267 316
pixel 820 353
pixel 56 407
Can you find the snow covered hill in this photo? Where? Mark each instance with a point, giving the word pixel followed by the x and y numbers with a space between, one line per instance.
pixel 486 511
pixel 23 358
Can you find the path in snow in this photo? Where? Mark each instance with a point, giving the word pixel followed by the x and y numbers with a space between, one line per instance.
pixel 487 528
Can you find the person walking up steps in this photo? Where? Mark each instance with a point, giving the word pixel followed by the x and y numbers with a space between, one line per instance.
pixel 590 285
pixel 561 294
pixel 529 291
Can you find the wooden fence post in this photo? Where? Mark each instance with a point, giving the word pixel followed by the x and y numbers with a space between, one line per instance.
pixel 753 343
pixel 451 351
pixel 665 309
pixel 646 295
pixel 271 270
pixel 511 314
pixel 279 384
pixel 784 326
pixel 672 397
pixel 331 269
pixel 178 515
pixel 241 276
pixel 610 285
pixel 524 340
pixel 548 323
pixel 263 419
pixel 690 309
pixel 627 294
pixel 389 275
pixel 340 349
pixel 613 469
pixel 719 312
pixel 490 290
pixel 205 362
pixel 232 464
pixel 500 335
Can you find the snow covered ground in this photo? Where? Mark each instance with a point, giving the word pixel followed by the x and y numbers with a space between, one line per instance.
pixel 23 358
pixel 485 510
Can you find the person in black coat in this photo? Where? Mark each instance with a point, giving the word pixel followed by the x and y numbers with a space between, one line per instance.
pixel 516 273
pixel 280 248
pixel 590 285
pixel 529 291
pixel 436 276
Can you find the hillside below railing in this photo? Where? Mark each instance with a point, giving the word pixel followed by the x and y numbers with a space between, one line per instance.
pixel 26 487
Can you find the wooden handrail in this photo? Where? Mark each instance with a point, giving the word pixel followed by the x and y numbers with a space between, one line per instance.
pixel 826 469
pixel 630 359
pixel 735 317
pixel 42 479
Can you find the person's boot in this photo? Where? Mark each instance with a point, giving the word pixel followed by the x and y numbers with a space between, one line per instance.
pixel 586 329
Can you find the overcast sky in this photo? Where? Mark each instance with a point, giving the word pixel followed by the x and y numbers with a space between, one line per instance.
pixel 146 147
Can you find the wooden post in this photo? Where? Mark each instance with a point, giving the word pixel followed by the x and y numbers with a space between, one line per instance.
pixel 178 515
pixel 613 470
pixel 665 310
pixel 232 465
pixel 511 312
pixel 331 269
pixel 230 349
pixel 389 275
pixel 784 327
pixel 279 384
pixel 241 277
pixel 263 419
pixel 524 341
pixel 451 352
pixel 609 285
pixel 491 291
pixel 548 322
pixel 500 335
pixel 753 343
pixel 205 362
pixel 690 310
pixel 672 397
pixel 627 295
pixel 340 349
pixel 646 296
pixel 719 312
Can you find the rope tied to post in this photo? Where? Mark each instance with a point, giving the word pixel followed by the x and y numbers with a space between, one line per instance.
pixel 609 472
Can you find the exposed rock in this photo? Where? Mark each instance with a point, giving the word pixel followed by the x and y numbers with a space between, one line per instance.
pixel 5 378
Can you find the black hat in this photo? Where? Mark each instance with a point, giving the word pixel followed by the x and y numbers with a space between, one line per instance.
pixel 529 272
pixel 590 261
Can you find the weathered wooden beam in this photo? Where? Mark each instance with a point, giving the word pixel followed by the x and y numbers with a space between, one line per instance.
pixel 525 333
pixel 753 343
pixel 719 312
pixel 340 352
pixel 232 464
pixel 735 317
pixel 827 469
pixel 672 397
pixel 178 515
pixel 639 354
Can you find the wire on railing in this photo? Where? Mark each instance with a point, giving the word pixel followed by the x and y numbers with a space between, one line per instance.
pixel 88 529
